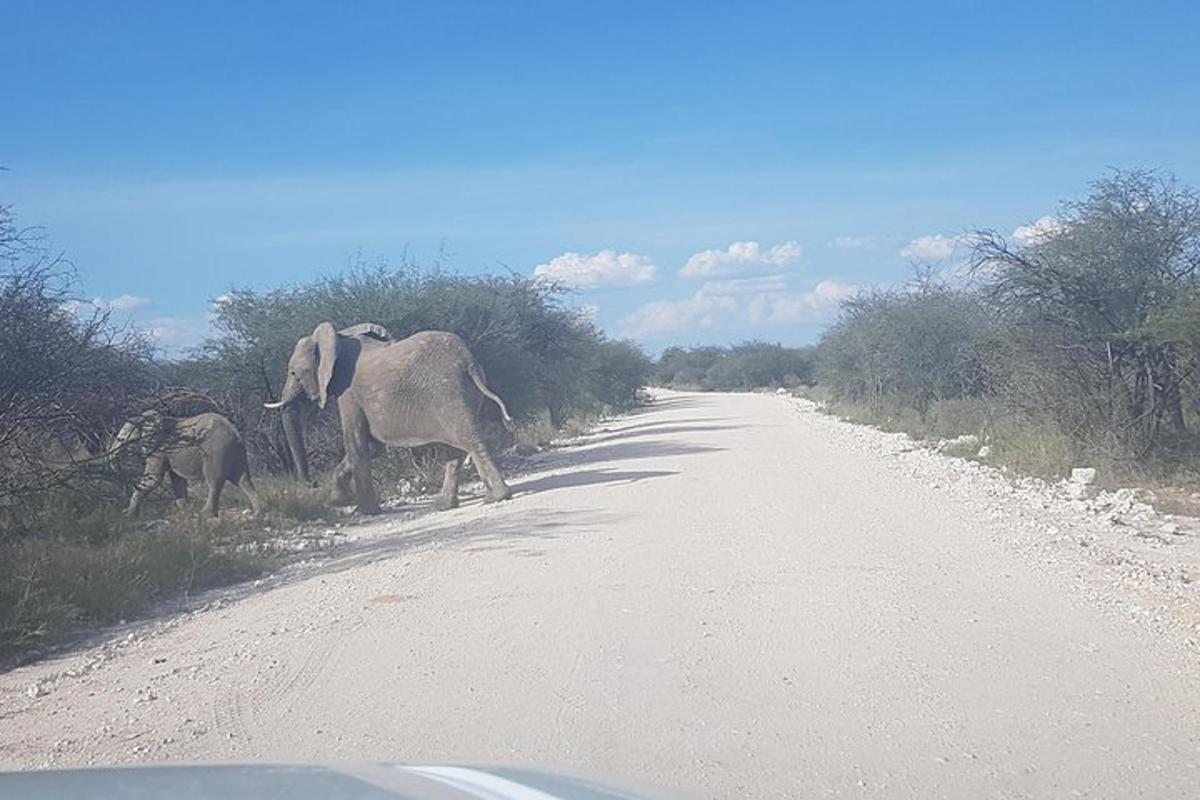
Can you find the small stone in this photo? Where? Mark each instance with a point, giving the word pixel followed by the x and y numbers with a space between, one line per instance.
pixel 1083 475
pixel 984 452
pixel 37 690
pixel 1170 527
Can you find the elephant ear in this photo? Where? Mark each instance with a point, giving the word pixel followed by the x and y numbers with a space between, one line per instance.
pixel 327 346
pixel 372 329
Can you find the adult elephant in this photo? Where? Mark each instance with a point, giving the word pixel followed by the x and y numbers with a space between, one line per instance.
pixel 425 389
pixel 206 447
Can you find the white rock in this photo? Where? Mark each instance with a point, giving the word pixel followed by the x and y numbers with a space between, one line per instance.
pixel 1083 475
pixel 984 452
pixel 965 440
pixel 37 690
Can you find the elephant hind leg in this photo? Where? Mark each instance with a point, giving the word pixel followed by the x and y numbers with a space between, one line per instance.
pixel 212 506
pixel 449 497
pixel 179 486
pixel 497 489
pixel 247 487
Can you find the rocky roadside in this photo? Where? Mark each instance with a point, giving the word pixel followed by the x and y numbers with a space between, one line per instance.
pixel 1112 543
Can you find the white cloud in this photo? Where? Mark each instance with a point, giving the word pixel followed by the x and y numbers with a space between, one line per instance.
pixel 701 310
pixel 1035 232
pixel 851 242
pixel 122 302
pixel 176 334
pixel 741 258
pixel 126 302
pixel 797 307
pixel 749 301
pixel 606 268
pixel 934 247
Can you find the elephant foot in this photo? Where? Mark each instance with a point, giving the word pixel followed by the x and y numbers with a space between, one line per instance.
pixel 496 497
pixel 445 503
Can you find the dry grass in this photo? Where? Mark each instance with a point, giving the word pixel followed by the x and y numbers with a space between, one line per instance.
pixel 63 571
pixel 287 500
pixel 55 585
pixel 1020 444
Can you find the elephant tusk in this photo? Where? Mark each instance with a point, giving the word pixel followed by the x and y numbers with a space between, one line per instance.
pixel 273 405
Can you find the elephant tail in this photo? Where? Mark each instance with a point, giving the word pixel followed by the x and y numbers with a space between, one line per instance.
pixel 476 373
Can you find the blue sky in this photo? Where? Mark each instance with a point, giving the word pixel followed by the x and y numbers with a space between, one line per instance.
pixel 776 154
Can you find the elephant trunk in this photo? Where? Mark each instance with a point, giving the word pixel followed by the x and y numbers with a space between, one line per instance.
pixel 293 431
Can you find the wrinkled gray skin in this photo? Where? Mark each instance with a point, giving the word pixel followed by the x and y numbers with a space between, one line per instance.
pixel 425 389
pixel 205 447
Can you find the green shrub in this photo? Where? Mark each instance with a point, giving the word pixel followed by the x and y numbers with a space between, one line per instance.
pixel 539 355
pixel 914 346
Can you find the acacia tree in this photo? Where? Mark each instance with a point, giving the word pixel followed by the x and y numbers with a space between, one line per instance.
pixel 65 377
pixel 1094 306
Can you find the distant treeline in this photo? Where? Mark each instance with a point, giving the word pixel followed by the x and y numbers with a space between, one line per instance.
pixel 749 365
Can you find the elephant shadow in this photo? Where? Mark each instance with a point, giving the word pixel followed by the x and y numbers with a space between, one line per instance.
pixel 587 477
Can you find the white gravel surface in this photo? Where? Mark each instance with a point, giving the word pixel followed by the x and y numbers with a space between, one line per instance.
pixel 731 595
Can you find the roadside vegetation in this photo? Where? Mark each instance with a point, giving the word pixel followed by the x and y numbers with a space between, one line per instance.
pixel 70 376
pixel 1079 345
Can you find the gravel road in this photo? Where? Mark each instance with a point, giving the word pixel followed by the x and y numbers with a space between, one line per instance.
pixel 730 595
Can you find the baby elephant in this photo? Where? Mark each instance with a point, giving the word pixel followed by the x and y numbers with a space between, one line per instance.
pixel 204 447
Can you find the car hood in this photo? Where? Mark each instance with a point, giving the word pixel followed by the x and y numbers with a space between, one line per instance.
pixel 308 782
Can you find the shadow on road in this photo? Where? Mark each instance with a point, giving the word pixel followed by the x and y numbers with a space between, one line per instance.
pixel 665 428
pixel 654 423
pixel 587 453
pixel 515 533
pixel 589 477
pixel 668 404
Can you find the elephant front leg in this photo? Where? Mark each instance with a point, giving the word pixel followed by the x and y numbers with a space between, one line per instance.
pixel 358 454
pixel 367 502
pixel 342 493
pixel 449 497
